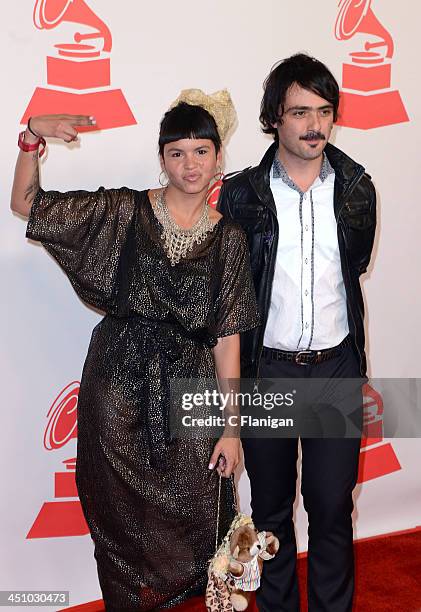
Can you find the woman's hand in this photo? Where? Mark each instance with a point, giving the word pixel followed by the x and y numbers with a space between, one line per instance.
pixel 59 126
pixel 227 364
pixel 225 456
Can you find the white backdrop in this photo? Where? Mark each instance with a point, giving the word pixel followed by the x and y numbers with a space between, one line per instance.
pixel 158 49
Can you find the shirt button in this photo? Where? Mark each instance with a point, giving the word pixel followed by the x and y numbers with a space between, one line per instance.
pixel 306 325
pixel 306 292
pixel 306 260
pixel 306 228
pixel 305 196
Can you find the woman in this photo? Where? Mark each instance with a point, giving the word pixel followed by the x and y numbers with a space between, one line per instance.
pixel 173 279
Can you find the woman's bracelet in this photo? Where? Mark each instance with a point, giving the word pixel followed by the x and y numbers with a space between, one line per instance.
pixel 27 147
pixel 31 130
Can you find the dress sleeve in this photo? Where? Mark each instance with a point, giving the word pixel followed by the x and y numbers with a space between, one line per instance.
pixel 85 232
pixel 236 307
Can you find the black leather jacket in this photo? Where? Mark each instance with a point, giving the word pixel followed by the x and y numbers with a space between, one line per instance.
pixel 247 198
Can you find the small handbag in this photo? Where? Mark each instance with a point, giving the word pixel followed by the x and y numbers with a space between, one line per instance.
pixel 231 580
pixel 220 582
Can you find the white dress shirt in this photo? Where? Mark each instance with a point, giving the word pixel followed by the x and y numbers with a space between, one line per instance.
pixel 308 302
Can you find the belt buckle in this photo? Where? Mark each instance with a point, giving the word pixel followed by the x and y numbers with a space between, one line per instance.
pixel 297 358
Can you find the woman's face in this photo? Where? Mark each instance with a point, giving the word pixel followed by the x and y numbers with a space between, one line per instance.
pixel 190 164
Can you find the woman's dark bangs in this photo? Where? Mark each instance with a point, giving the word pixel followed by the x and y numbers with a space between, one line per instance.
pixel 185 121
pixel 178 132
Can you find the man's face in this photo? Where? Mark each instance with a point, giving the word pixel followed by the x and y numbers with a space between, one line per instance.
pixel 306 124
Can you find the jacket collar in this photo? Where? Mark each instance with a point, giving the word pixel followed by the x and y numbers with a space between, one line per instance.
pixel 346 169
pixel 347 173
pixel 260 178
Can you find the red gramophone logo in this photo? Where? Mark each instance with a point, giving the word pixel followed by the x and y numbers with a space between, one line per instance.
pixel 367 100
pixel 377 458
pixel 64 516
pixel 79 72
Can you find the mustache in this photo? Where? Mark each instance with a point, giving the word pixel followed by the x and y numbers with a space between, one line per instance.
pixel 312 135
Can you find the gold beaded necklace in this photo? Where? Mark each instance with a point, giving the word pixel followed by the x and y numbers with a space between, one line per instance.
pixel 178 241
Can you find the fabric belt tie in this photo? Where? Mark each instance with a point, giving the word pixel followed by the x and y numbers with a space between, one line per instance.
pixel 161 344
pixel 305 358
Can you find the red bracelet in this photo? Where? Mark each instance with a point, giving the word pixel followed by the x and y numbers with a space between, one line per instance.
pixel 27 147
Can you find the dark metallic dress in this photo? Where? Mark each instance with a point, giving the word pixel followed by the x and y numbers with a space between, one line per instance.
pixel 149 500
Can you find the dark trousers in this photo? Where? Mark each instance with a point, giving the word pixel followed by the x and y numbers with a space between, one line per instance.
pixel 329 474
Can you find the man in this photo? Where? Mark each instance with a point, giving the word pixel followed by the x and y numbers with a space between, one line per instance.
pixel 309 214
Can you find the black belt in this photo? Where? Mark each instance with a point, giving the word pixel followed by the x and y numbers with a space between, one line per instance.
pixel 306 357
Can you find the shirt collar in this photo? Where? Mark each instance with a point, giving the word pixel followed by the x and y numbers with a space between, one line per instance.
pixel 278 171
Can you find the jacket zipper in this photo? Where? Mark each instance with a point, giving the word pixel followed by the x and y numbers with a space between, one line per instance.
pixel 269 284
pixel 350 189
pixel 351 290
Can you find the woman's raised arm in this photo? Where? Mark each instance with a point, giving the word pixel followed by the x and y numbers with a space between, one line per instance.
pixel 26 180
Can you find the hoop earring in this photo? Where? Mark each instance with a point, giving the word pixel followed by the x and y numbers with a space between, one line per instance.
pixel 161 181
pixel 218 175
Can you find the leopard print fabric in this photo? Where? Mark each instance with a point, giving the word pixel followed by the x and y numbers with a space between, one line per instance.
pixel 218 594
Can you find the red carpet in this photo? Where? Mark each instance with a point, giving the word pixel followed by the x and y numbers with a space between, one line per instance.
pixel 388 577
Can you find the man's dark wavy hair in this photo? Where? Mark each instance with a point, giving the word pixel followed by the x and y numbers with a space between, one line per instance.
pixel 309 73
